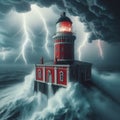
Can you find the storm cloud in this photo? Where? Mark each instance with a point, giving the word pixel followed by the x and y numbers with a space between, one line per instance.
pixel 101 18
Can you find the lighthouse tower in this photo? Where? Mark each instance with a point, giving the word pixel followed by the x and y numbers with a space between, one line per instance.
pixel 64 41
pixel 65 69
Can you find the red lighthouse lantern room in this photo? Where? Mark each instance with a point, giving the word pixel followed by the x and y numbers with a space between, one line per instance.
pixel 64 24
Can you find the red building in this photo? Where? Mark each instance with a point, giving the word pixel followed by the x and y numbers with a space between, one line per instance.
pixel 64 68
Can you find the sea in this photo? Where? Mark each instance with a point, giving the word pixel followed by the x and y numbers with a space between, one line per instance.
pixel 19 101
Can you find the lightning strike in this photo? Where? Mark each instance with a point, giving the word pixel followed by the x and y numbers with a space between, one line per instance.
pixel 27 40
pixel 27 33
pixel 100 48
pixel 84 39
pixel 81 46
pixel 99 41
pixel 36 8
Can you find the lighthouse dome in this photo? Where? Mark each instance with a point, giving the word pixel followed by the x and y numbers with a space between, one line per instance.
pixel 64 18
pixel 64 24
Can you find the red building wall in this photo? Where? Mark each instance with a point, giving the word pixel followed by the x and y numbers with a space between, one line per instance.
pixel 52 74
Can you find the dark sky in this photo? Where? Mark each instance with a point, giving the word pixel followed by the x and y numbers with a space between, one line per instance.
pixel 20 20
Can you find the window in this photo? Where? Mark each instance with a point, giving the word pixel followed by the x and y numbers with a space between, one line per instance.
pixel 61 76
pixel 39 74
pixel 49 76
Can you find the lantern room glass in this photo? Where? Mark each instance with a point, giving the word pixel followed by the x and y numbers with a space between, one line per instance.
pixel 64 27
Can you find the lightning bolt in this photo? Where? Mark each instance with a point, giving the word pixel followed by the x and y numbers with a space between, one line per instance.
pixel 37 10
pixel 26 35
pixel 83 42
pixel 81 46
pixel 99 41
pixel 100 48
pixel 27 40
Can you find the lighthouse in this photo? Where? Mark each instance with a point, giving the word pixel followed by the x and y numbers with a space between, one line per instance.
pixel 64 41
pixel 64 67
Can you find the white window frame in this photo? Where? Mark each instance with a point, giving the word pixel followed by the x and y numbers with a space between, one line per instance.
pixel 61 76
